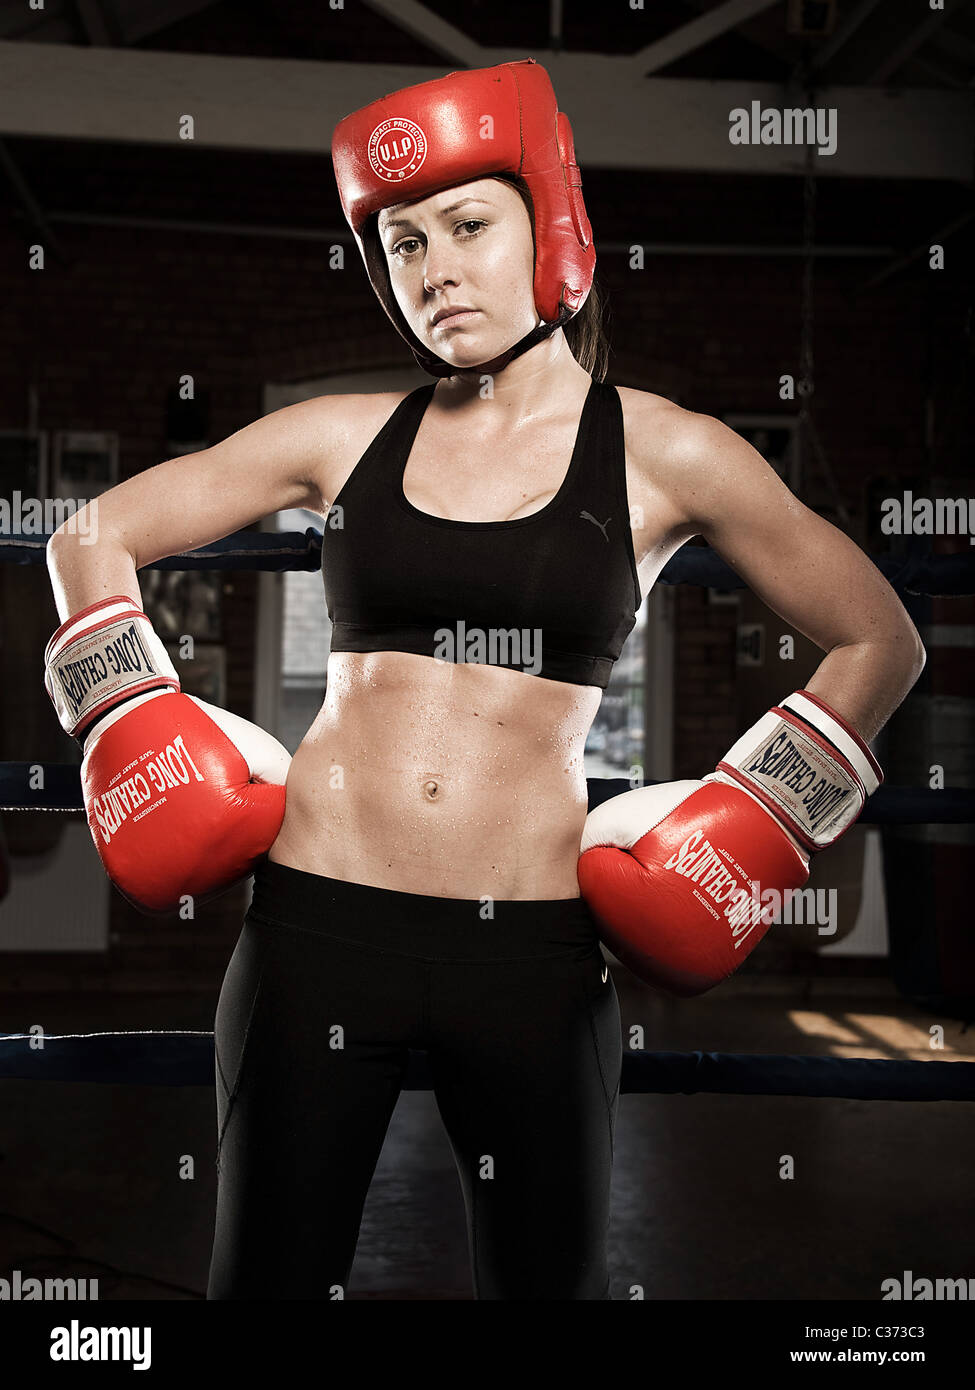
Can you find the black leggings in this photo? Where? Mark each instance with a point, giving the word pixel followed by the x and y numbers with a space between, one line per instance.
pixel 329 986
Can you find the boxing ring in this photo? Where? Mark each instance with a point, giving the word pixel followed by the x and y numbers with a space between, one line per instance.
pixel 186 1058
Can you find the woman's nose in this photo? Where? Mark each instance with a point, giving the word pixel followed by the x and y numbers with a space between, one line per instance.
pixel 439 265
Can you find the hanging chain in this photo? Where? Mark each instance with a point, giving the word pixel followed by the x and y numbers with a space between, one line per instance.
pixel 807 378
pixel 810 445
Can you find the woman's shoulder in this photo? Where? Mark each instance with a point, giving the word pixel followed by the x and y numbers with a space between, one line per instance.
pixel 646 406
pixel 345 424
pixel 659 432
pixel 350 419
pixel 696 460
pixel 356 409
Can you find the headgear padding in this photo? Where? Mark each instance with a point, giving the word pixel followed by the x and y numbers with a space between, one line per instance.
pixel 471 125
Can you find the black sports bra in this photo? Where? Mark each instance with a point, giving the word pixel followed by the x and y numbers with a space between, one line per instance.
pixel 554 594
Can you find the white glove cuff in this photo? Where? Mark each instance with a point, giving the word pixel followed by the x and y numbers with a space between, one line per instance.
pixel 807 766
pixel 840 734
pixel 100 656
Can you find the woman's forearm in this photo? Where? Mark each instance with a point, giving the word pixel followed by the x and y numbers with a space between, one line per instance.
pixel 82 574
pixel 864 682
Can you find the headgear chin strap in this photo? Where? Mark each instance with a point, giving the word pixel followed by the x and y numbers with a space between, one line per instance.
pixel 436 366
pixel 422 139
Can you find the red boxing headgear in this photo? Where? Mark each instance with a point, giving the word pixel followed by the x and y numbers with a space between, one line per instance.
pixel 470 125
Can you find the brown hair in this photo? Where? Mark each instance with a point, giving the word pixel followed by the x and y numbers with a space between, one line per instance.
pixel 586 335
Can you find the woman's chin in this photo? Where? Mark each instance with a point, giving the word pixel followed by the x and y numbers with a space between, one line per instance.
pixel 470 354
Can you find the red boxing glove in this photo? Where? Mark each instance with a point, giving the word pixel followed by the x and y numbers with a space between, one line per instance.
pixel 677 876
pixel 183 798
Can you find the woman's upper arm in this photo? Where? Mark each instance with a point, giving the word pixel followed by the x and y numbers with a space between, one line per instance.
pixel 276 462
pixel 804 568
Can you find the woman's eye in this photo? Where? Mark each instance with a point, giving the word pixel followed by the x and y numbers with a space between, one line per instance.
pixel 407 245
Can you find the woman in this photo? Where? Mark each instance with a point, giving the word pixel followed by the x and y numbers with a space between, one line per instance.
pixel 482 573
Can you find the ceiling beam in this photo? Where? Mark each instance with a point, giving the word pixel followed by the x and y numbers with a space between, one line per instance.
pixel 906 47
pixel 34 214
pixel 432 31
pixel 952 43
pixel 103 22
pixel 100 27
pixel 941 75
pixel 140 18
pixel 621 120
pixel 696 33
pixel 842 34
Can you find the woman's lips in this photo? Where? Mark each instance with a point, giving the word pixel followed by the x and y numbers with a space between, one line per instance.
pixel 460 317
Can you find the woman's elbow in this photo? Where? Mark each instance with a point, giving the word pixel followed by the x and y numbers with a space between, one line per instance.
pixel 78 528
pixel 914 656
pixel 57 542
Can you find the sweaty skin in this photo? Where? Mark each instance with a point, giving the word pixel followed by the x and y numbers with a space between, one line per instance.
pixel 429 777
pixel 426 776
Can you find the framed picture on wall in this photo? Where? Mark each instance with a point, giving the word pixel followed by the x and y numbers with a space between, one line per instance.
pixel 85 463
pixel 23 468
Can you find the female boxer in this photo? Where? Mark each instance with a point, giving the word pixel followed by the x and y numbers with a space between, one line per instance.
pixel 488 541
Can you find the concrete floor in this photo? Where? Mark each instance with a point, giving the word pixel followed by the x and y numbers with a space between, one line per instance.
pixel 90 1183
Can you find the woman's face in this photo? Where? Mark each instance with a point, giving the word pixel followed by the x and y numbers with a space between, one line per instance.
pixel 471 246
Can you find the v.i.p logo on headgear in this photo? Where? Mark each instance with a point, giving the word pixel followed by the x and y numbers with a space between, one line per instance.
pixel 397 148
